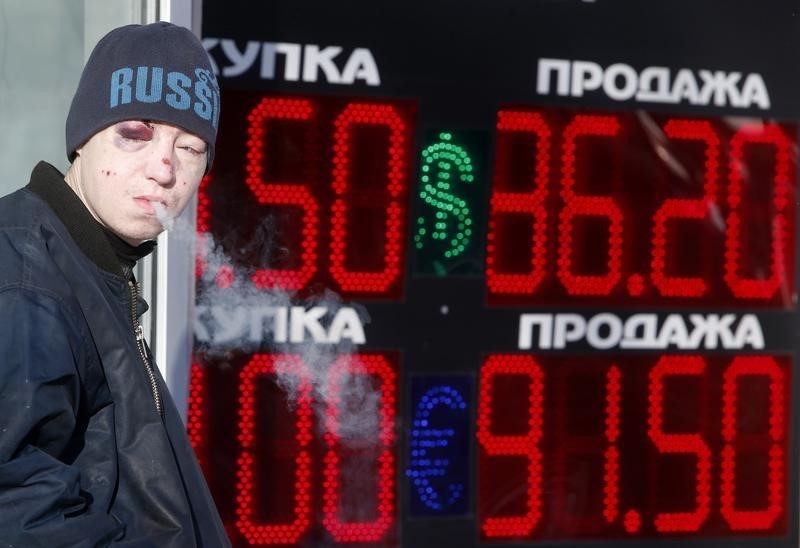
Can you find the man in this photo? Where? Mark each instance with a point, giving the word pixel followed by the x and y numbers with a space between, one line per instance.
pixel 92 450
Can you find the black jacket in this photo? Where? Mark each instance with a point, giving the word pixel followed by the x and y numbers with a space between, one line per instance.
pixel 85 457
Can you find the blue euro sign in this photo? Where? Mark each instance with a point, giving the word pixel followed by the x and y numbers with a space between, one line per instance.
pixel 432 450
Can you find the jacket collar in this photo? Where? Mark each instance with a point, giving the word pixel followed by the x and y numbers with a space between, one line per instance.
pixel 48 184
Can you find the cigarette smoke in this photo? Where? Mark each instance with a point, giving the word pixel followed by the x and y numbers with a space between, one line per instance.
pixel 356 397
pixel 163 216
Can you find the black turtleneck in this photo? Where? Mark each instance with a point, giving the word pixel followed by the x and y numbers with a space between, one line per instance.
pixel 126 253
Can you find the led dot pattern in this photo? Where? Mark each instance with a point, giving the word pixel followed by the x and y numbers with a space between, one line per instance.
pixel 204 203
pixel 642 248
pixel 636 285
pixel 724 200
pixel 632 521
pixel 685 208
pixel 530 203
pixel 526 445
pixel 378 367
pixel 353 115
pixel 736 454
pixel 740 369
pixel 247 497
pixel 740 285
pixel 584 446
pixel 196 413
pixel 576 205
pixel 679 443
pixel 611 461
pixel 224 275
pixel 292 195
pixel 423 468
pixel 444 165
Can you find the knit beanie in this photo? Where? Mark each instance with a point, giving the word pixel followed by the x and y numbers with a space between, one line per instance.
pixel 158 72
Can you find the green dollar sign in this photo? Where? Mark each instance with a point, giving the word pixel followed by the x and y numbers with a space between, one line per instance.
pixel 443 165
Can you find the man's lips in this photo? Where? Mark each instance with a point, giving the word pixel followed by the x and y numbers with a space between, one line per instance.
pixel 148 203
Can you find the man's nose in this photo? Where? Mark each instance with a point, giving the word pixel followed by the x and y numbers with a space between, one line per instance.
pixel 160 166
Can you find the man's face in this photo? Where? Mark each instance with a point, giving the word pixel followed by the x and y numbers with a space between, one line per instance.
pixel 134 175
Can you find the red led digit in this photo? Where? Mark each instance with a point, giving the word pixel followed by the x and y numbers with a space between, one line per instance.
pixel 204 204
pixel 292 195
pixel 224 275
pixel 780 230
pixel 196 414
pixel 685 208
pixel 587 421
pixel 247 499
pixel 377 367
pixel 576 205
pixel 667 522
pixel 752 519
pixel 361 114
pixel 528 203
pixel 524 445
pixel 203 224
pixel 611 465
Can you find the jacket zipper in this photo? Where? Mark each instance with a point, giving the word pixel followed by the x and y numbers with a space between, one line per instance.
pixel 139 333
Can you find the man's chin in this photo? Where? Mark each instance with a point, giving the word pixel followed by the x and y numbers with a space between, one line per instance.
pixel 136 238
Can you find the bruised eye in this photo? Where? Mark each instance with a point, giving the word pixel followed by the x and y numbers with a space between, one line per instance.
pixel 135 130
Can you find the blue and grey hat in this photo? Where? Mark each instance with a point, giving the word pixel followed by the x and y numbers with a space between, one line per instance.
pixel 158 72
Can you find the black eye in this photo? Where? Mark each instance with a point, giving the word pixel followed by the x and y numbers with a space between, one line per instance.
pixel 135 131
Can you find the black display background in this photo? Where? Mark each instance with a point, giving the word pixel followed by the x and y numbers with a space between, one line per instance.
pixel 460 60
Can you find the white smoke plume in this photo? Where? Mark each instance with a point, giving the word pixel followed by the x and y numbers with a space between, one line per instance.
pixel 244 317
